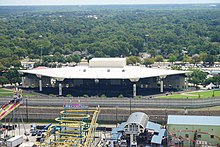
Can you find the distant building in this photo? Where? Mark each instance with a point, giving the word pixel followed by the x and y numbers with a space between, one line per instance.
pixel 108 76
pixel 27 64
pixel 194 130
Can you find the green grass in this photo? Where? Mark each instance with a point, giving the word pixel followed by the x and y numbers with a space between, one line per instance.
pixel 5 90
pixel 10 93
pixel 196 94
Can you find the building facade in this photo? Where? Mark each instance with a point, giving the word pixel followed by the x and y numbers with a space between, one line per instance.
pixel 194 130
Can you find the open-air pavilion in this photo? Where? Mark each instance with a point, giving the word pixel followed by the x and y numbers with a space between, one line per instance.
pixel 104 76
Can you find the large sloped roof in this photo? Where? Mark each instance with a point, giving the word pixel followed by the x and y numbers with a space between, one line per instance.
pixel 86 72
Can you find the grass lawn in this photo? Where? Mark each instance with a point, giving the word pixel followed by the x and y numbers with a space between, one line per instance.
pixel 5 90
pixel 10 93
pixel 195 94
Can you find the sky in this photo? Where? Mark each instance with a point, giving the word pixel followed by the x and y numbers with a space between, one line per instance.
pixel 100 2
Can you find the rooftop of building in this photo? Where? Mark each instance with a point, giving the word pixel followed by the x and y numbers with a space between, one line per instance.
pixel 104 68
pixel 139 118
pixel 193 120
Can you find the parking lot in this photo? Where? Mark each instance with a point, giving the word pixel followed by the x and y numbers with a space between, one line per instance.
pixel 25 131
pixel 30 138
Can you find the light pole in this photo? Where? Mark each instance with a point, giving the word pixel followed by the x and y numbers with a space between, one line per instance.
pixel 41 50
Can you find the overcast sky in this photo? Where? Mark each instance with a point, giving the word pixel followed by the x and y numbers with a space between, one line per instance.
pixel 95 2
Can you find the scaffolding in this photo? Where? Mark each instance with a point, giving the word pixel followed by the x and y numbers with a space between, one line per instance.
pixel 76 128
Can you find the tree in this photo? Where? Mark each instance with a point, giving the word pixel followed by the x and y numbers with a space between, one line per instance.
pixel 209 80
pixel 16 63
pixel 76 58
pixel 203 56
pixel 217 80
pixel 148 61
pixel 197 76
pixel 3 80
pixel 176 67
pixel 159 58
pixel 13 76
pixel 20 52
pixel 187 58
pixel 210 59
pixel 133 60
pixel 196 58
pixel 172 58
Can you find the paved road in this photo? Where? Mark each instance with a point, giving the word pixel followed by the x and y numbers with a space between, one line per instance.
pixel 120 102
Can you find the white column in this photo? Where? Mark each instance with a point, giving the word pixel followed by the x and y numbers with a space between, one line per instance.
pixel 22 80
pixel 60 89
pixel 40 84
pixel 186 79
pixel 161 85
pixel 134 90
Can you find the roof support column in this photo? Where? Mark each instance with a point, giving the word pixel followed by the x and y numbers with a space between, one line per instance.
pixel 60 89
pixel 134 81
pixel 60 80
pixel 40 82
pixel 134 90
pixel 186 83
pixel 161 82
pixel 161 85
pixel 22 81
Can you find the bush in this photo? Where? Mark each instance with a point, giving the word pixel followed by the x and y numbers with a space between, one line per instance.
pixel 103 96
pixel 68 95
pixel 120 96
pixel 85 95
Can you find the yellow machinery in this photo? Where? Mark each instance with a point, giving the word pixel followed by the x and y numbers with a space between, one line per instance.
pixel 76 128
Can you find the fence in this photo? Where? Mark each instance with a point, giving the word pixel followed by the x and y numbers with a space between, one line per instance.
pixel 122 102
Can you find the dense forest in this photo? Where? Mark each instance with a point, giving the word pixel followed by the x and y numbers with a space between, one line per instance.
pixel 69 33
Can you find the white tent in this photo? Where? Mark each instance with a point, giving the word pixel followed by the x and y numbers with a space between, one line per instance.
pixel 210 86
